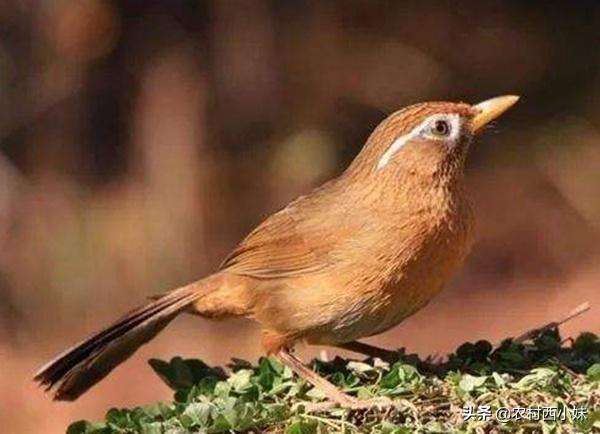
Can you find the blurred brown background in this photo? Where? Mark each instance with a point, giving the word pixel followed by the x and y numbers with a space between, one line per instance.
pixel 139 140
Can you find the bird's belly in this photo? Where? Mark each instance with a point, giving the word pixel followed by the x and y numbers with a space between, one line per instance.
pixel 369 317
pixel 388 302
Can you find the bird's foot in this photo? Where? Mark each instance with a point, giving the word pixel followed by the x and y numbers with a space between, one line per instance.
pixel 348 402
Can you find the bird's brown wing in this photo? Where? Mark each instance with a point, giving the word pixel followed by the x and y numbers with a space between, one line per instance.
pixel 293 241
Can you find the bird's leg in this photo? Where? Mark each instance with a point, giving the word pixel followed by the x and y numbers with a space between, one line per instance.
pixel 335 395
pixel 369 350
pixel 331 391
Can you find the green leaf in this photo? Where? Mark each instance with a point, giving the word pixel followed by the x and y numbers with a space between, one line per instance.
pixel 183 374
pixel 302 427
pixel 593 372
pixel 85 427
pixel 240 380
pixel 591 421
pixel 199 413
pixel 469 383
pixel 164 371
pixel 222 389
pixel 268 371
pixel 477 352
pixel 390 380
pixel 153 428
pixel 539 378
pixel 118 416
pixel 359 367
pixel 388 427
pixel 220 424
pixel 237 364
pixel 401 378
pixel 587 343
pixel 510 354
pixel 498 379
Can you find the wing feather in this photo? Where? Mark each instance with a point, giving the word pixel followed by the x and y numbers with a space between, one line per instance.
pixel 289 242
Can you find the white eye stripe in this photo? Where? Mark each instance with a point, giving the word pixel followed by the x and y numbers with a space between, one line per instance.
pixel 452 118
pixel 395 147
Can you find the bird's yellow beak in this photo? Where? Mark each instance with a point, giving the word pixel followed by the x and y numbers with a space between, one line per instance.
pixel 490 109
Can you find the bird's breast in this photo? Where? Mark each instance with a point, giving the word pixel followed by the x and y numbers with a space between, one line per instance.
pixel 416 281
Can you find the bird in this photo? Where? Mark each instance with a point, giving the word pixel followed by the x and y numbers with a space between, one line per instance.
pixel 351 259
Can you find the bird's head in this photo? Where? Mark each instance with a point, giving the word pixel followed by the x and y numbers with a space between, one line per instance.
pixel 426 140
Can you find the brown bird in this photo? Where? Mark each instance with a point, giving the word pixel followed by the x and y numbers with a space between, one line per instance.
pixel 351 259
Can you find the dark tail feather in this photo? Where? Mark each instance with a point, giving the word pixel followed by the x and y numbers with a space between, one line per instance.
pixel 85 364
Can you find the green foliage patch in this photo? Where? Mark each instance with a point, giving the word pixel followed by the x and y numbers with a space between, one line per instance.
pixel 428 397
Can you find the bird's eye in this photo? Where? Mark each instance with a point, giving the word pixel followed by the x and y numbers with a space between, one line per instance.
pixel 440 128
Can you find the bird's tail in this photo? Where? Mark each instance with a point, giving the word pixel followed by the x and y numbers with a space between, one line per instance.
pixel 80 367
